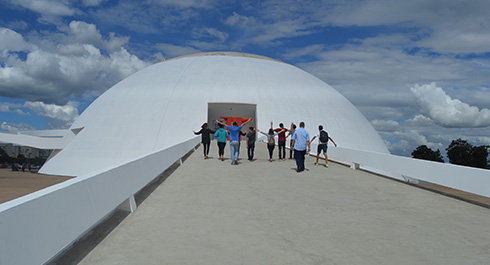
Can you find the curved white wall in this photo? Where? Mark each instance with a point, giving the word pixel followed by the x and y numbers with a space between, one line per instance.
pixel 161 105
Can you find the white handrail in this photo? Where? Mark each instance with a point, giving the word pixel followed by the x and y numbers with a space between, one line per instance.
pixel 469 179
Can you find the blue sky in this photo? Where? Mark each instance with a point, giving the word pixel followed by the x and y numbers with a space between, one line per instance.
pixel 418 70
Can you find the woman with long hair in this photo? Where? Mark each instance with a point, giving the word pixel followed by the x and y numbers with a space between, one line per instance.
pixel 271 142
pixel 205 139
pixel 221 134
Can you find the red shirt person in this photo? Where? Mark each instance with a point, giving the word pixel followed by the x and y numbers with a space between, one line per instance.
pixel 281 141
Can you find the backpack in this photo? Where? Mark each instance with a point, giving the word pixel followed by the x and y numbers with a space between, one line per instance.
pixel 323 136
pixel 272 141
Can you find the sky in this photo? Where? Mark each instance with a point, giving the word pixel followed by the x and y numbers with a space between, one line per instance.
pixel 418 70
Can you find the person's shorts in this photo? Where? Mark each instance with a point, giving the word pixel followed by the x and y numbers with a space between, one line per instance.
pixel 322 147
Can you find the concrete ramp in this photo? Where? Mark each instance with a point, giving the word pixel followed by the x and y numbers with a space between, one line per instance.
pixel 210 212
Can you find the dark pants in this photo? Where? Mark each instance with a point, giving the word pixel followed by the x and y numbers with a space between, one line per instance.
pixel 282 149
pixel 300 159
pixel 291 150
pixel 221 148
pixel 250 151
pixel 271 150
pixel 206 148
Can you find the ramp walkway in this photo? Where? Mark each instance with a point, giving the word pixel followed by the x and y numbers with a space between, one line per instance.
pixel 211 212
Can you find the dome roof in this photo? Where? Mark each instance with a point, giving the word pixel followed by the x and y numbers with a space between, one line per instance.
pixel 162 104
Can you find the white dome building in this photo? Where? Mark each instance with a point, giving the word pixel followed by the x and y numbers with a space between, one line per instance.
pixel 159 107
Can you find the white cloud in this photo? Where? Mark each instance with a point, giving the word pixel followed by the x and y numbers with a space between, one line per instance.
pixel 17 25
pixel 92 2
pixel 47 7
pixel 385 125
pixel 57 116
pixel 11 107
pixel 483 140
pixel 171 50
pixel 187 3
pixel 50 11
pixel 60 116
pixel 310 50
pixel 267 28
pixel 419 121
pixel 53 73
pixel 16 127
pixel 85 33
pixel 240 21
pixel 402 141
pixel 210 32
pixel 12 41
pixel 448 112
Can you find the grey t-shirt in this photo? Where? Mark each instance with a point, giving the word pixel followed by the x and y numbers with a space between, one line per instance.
pixel 251 137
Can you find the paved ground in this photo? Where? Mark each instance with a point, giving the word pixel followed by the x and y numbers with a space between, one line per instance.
pixel 210 212
pixel 14 184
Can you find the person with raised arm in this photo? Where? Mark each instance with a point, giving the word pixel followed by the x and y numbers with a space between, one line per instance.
pixel 291 133
pixel 205 139
pixel 323 138
pixel 234 138
pixel 281 141
pixel 221 134
pixel 271 142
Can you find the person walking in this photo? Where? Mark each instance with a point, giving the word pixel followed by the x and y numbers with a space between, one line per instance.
pixel 271 143
pixel 240 143
pixel 234 138
pixel 221 134
pixel 323 138
pixel 291 133
pixel 281 141
pixel 300 143
pixel 205 139
pixel 251 142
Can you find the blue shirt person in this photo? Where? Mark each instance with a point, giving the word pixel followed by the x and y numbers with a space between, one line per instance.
pixel 300 142
pixel 234 139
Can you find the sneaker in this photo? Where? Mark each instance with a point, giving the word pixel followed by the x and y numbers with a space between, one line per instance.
pixel 326 165
pixel 316 164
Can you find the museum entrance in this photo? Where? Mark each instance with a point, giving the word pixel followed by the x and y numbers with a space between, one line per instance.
pixel 228 112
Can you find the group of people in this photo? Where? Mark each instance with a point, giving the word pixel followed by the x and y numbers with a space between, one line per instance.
pixel 300 141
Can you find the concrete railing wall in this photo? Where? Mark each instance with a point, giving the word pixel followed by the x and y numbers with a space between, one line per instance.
pixel 38 226
pixel 469 179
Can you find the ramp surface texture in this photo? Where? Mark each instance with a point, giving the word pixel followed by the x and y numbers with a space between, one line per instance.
pixel 210 212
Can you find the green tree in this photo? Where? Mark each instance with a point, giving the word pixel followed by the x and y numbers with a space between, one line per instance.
pixel 4 157
pixel 479 156
pixel 424 152
pixel 21 159
pixel 460 152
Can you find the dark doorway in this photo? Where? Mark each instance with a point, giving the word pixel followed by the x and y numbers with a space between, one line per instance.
pixel 216 110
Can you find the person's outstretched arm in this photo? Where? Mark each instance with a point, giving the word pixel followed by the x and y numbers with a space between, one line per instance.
pixel 243 124
pixel 222 123
pixel 332 141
